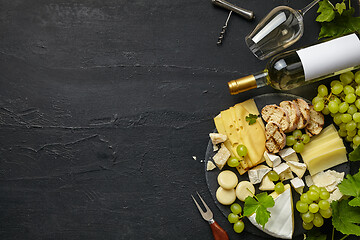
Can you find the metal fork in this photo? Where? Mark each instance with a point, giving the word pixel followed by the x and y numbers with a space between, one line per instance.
pixel 218 232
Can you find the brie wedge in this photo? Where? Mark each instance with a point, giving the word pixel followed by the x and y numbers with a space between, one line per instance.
pixel 298 184
pixel 298 168
pixel 288 154
pixel 281 221
pixel 257 173
pixel 271 159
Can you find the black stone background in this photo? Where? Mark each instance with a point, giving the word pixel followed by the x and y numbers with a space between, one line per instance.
pixel 104 103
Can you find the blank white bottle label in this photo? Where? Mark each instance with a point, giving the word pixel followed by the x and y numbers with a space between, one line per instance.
pixel 331 56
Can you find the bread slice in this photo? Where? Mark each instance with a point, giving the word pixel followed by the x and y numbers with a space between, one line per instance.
pixel 275 137
pixel 304 112
pixel 274 113
pixel 293 113
pixel 316 122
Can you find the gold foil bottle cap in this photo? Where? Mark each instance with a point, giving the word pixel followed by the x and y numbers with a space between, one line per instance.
pixel 242 84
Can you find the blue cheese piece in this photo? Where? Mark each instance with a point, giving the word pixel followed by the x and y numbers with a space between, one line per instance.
pixel 298 184
pixel 221 156
pixel 288 154
pixel 257 173
pixel 271 159
pixel 297 167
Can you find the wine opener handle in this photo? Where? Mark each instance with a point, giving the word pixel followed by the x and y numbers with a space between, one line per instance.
pixel 241 11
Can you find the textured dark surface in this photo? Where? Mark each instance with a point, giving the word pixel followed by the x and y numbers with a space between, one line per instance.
pixel 102 106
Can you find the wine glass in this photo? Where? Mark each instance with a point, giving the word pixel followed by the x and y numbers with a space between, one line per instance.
pixel 281 28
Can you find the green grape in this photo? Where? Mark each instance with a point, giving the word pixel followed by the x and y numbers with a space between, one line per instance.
pixel 333 106
pixel 233 218
pixel 345 118
pixel 342 133
pixel 305 138
pixel 350 98
pixel 317 99
pixel 337 100
pixel 352 109
pixel 305 198
pixel 324 194
pixel 322 90
pixel 319 106
pixel 313 207
pixel 351 126
pixel 357 90
pixel 239 226
pixel 343 107
pixel 351 133
pixel 349 138
pixel 356 117
pixel 307 226
pixel 323 189
pixel 273 176
pixel 357 77
pixel 302 207
pixel 335 82
pixel 236 208
pixel 326 213
pixel 241 150
pixel 348 89
pixel 298 147
pixel 346 78
pixel 297 133
pixel 356 140
pixel 357 103
pixel 337 119
pixel 342 127
pixel 337 88
pixel 358 127
pixel 313 195
pixel 290 140
pixel 279 188
pixel 324 204
pixel 307 217
pixel 314 188
pixel 233 162
pixel 318 220
pixel 326 110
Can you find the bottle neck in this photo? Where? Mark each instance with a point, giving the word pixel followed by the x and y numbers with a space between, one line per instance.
pixel 243 84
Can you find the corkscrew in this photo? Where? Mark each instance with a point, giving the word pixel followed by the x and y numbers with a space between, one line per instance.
pixel 241 11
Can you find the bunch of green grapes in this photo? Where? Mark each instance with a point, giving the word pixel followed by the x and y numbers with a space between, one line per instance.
pixel 241 151
pixel 314 207
pixel 297 140
pixel 343 103
pixel 235 217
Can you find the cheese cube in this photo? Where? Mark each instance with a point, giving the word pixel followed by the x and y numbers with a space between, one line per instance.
pixel 336 195
pixel 217 138
pixel 286 175
pixel 210 166
pixel 298 184
pixel 309 181
pixel 272 160
pixel 281 168
pixel 221 156
pixel 288 154
pixel 257 173
pixel 266 184
pixel 298 168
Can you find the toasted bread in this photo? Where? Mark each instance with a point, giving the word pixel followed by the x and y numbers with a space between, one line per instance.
pixel 316 122
pixel 274 113
pixel 275 137
pixel 293 113
pixel 304 112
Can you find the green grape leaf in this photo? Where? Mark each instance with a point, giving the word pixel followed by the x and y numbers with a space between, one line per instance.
pixel 251 118
pixel 315 234
pixel 326 10
pixel 345 218
pixel 258 205
pixel 340 7
pixel 355 155
pixel 351 187
pixel 342 24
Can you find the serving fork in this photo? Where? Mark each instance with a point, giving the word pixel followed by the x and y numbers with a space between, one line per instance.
pixel 218 232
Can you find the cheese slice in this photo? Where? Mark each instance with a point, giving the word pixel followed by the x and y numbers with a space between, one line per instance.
pixel 327 160
pixel 281 221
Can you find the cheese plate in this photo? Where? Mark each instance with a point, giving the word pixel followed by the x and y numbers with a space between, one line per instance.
pixel 211 176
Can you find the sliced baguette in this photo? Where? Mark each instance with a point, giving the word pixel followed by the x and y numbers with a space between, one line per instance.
pixel 316 122
pixel 304 112
pixel 274 113
pixel 275 137
pixel 293 113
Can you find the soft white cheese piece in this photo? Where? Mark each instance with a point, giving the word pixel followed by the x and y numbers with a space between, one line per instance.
pixel 286 175
pixel 271 159
pixel 323 179
pixel 281 221
pixel 257 173
pixel 266 184
pixel 297 167
pixel 215 148
pixel 298 184
pixel 210 166
pixel 217 138
pixel 288 154
pixel 221 156
pixel 309 181
pixel 283 167
pixel 335 195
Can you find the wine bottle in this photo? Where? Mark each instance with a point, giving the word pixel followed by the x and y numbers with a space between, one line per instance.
pixel 299 67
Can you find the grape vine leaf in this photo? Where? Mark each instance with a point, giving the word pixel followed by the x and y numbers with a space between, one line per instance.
pixel 258 205
pixel 315 234
pixel 351 187
pixel 326 10
pixel 251 118
pixel 355 155
pixel 340 7
pixel 345 218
